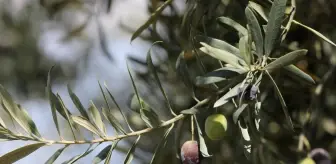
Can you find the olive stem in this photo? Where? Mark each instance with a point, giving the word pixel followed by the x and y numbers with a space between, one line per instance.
pixel 192 128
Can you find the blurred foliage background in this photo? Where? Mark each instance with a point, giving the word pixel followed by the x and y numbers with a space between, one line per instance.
pixel 34 35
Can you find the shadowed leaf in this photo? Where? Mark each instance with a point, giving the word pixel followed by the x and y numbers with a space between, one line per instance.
pixel 286 60
pixel 152 19
pixel 203 146
pixel 105 154
pixel 20 153
pixel 151 68
pixel 77 103
pixel 256 32
pixel 282 101
pixel 237 113
pixel 161 145
pixel 77 157
pixel 54 157
pixel 113 121
pixel 276 16
pixel 149 116
pixel 129 155
pixel 118 107
pixel 228 21
pixel 217 76
pixel 296 71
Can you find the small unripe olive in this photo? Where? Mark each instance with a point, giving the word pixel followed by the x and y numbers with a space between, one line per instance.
pixel 216 126
pixel 307 161
pixel 190 152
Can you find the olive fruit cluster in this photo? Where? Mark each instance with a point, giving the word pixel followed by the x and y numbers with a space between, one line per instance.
pixel 215 126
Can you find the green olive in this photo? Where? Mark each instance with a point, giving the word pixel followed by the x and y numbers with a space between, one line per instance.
pixel 216 126
pixel 307 160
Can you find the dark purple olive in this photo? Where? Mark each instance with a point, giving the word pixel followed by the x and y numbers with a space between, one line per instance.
pixel 320 156
pixel 190 152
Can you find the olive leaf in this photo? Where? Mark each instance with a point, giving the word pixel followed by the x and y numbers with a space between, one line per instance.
pixel 105 154
pixel 18 114
pixel 217 76
pixel 299 73
pixel 182 70
pixel 52 101
pixel 118 107
pixel 54 157
pixel 315 32
pixel 160 146
pixel 203 146
pixel 96 118
pixel 82 121
pixel 228 21
pixel 259 9
pixel 282 101
pixel 149 116
pixel 237 113
pixel 77 103
pixel 276 16
pixel 286 60
pixel 152 19
pixel 129 155
pixel 113 121
pixel 78 157
pixel 223 56
pixel 230 94
pixel 255 31
pixel 220 44
pixel 151 68
pixel 245 50
pixel 65 113
pixel 20 153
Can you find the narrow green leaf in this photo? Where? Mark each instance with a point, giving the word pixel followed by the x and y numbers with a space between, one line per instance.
pixel 237 113
pixel 2 123
pixel 276 16
pixel 230 94
pixel 299 73
pixel 228 21
pixel 51 101
pixel 151 69
pixel 134 104
pixel 129 155
pixel 259 9
pixel 109 155
pixel 217 76
pixel 54 157
pixel 67 115
pixel 223 56
pixel 18 114
pixel 82 121
pixel 105 99
pixel 20 153
pixel 244 49
pixel 152 19
pixel 220 44
pixel 182 70
pixel 133 84
pixel 77 103
pixel 118 107
pixel 282 101
pixel 96 118
pixel 160 146
pixel 149 116
pixel 286 60
pixel 315 32
pixel 256 32
pixel 106 153
pixel 203 146
pixel 113 121
pixel 78 157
